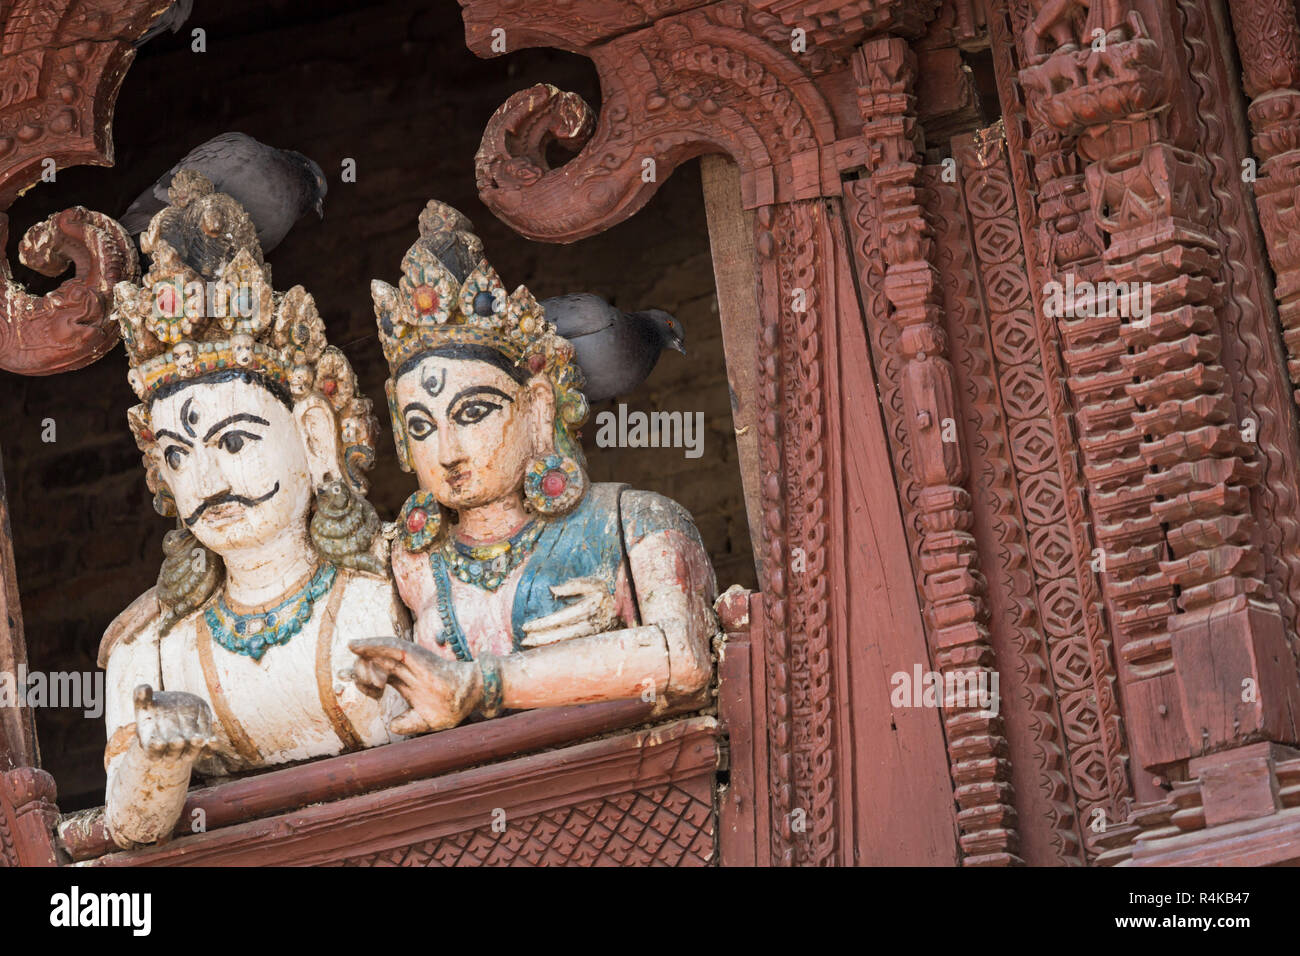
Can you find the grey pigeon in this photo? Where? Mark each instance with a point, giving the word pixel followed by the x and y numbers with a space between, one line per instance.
pixel 172 20
pixel 616 350
pixel 275 186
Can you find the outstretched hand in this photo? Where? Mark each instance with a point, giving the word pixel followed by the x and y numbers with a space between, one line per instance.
pixel 172 724
pixel 593 612
pixel 441 693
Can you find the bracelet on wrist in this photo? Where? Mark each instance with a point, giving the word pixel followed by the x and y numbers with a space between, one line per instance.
pixel 493 691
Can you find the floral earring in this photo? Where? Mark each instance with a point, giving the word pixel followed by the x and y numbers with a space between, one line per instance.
pixel 554 484
pixel 420 521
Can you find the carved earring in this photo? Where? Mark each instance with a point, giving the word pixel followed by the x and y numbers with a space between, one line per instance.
pixel 420 521
pixel 554 484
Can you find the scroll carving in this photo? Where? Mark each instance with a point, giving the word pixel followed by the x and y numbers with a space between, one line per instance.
pixel 67 328
pixel 61 64
pixel 708 80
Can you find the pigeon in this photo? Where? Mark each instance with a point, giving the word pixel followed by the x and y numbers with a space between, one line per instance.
pixel 616 350
pixel 275 186
pixel 173 20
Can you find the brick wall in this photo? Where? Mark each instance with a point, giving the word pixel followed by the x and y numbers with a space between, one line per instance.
pixel 391 86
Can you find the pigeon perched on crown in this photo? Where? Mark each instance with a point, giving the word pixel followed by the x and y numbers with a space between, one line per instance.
pixel 433 307
pixel 207 304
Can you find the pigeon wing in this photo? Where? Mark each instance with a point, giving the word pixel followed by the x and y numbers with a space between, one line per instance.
pixel 220 156
pixel 579 314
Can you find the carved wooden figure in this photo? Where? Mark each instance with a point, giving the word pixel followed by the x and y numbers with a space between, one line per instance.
pixel 530 587
pixel 254 436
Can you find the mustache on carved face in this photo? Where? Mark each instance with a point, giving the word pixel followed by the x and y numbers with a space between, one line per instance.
pixel 228 498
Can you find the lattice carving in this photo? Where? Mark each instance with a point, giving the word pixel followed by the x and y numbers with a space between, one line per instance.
pixel 664 826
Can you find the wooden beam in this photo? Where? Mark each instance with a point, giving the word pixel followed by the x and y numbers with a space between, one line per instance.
pixel 731 242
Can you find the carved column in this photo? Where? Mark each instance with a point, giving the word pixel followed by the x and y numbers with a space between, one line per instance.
pixel 1169 477
pixel 952 583
pixel 1268 41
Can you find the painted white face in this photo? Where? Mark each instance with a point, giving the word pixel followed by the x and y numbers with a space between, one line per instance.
pixel 234 459
pixel 468 426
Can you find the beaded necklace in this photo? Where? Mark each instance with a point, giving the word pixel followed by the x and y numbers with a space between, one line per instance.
pixel 487 566
pixel 254 634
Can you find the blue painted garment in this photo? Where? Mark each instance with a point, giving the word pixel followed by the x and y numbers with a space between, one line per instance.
pixel 591 541
pixel 587 542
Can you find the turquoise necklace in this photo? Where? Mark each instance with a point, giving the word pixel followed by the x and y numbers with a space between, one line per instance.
pixel 254 634
pixel 487 566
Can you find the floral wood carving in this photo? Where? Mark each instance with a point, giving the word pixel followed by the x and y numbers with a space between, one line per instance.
pixel 61 63
pixel 793 248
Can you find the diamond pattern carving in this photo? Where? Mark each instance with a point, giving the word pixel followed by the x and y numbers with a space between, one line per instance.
pixel 664 826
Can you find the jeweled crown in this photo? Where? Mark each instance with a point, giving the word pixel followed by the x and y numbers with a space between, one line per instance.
pixel 450 294
pixel 207 305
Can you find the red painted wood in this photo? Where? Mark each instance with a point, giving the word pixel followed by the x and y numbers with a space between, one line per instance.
pixel 670 766
pixel 82 835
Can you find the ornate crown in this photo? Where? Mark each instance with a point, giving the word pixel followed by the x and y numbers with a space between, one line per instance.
pixel 450 295
pixel 207 305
